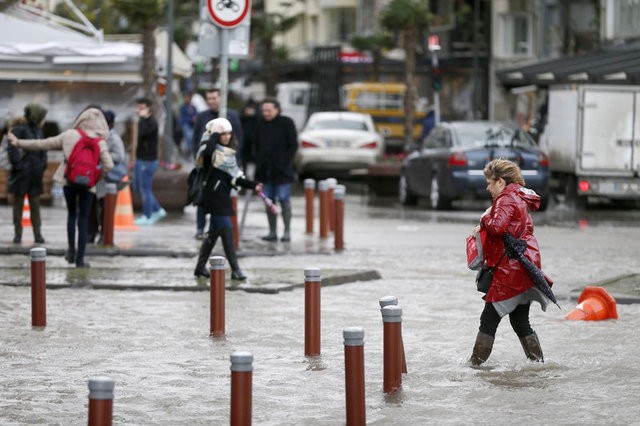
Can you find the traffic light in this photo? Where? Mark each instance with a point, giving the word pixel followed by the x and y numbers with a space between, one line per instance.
pixel 436 81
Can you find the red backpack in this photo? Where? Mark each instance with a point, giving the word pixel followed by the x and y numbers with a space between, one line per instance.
pixel 83 164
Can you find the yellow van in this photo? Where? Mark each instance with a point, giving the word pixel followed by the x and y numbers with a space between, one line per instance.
pixel 385 103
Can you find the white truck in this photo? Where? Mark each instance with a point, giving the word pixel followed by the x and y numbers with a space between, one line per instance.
pixel 592 138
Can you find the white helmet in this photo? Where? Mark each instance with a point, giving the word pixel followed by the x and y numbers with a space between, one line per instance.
pixel 218 125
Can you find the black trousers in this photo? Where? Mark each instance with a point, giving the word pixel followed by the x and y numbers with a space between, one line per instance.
pixel 519 318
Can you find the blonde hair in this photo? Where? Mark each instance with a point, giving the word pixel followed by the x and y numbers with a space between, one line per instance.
pixel 505 169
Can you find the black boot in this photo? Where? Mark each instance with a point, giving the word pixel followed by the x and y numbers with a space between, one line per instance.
pixel 482 348
pixel 70 255
pixel 286 218
pixel 532 348
pixel 230 253
pixel 205 251
pixel 273 223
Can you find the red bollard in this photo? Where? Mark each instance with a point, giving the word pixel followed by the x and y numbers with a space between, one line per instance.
pixel 38 287
pixel 241 378
pixel 387 301
pixel 323 189
pixel 216 269
pixel 392 318
pixel 309 195
pixel 100 401
pixel 234 218
pixel 108 213
pixel 354 375
pixel 312 311
pixel 338 203
pixel 332 186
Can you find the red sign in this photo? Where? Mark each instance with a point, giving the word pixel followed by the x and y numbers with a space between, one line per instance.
pixel 228 13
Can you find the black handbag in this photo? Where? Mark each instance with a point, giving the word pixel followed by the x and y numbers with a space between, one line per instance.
pixel 196 182
pixel 484 278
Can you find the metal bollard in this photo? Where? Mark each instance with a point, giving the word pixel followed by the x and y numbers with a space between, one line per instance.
pixel 338 202
pixel 108 213
pixel 354 375
pixel 38 287
pixel 100 401
pixel 309 195
pixel 216 280
pixel 241 378
pixel 392 319
pixel 332 220
pixel 312 311
pixel 234 218
pixel 387 301
pixel 323 189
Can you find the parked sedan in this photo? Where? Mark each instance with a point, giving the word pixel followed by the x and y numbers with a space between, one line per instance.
pixel 450 161
pixel 337 142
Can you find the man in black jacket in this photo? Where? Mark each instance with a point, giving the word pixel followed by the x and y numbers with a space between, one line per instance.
pixel 276 143
pixel 213 101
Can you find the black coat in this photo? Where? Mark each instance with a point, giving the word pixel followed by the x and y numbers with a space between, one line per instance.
pixel 28 166
pixel 216 197
pixel 276 143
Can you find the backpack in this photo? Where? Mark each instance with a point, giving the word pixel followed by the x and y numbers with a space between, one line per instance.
pixel 83 165
pixel 196 181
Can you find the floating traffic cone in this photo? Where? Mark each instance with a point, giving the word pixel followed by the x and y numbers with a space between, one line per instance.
pixel 124 210
pixel 26 212
pixel 594 304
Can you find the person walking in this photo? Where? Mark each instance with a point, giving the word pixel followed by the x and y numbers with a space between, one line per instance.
pixel 217 156
pixel 276 142
pixel 512 290
pixel 146 164
pixel 92 123
pixel 186 120
pixel 27 171
pixel 204 117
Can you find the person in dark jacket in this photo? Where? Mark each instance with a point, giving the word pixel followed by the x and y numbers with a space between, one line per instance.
pixel 276 142
pixel 217 156
pixel 204 117
pixel 27 172
pixel 146 164
pixel 512 289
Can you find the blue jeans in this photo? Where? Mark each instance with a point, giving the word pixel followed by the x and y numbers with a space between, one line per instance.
pixel 142 181
pixel 280 192
pixel 78 208
pixel 187 135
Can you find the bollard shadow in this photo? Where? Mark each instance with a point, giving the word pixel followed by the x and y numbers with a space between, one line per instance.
pixel 315 363
pixel 78 277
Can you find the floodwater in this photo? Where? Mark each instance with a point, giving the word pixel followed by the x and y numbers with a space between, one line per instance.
pixel 168 371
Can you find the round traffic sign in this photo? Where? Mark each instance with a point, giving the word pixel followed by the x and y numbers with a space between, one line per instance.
pixel 228 13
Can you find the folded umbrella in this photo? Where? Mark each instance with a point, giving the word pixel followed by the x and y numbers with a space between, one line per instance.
pixel 515 248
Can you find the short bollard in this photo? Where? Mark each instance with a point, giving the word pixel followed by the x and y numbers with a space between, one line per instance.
pixel 392 300
pixel 216 279
pixel 392 319
pixel 241 378
pixel 309 195
pixel 323 189
pixel 312 311
pixel 109 213
pixel 234 218
pixel 354 375
pixel 38 287
pixel 100 401
pixel 332 183
pixel 338 231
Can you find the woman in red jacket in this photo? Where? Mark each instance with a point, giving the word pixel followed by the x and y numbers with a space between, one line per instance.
pixel 512 289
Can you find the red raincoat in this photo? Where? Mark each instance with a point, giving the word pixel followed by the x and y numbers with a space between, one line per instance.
pixel 510 213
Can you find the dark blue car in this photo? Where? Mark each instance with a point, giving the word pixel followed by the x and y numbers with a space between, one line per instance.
pixel 448 164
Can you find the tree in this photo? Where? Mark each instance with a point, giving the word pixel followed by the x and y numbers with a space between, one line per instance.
pixel 410 18
pixel 376 44
pixel 264 27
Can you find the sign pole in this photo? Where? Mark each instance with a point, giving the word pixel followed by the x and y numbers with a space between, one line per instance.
pixel 224 71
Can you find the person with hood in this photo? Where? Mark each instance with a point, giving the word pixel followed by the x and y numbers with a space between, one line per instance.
pixel 27 171
pixel 512 290
pixel 91 120
pixel 217 157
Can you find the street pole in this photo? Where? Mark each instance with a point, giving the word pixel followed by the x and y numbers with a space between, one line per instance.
pixel 168 93
pixel 436 94
pixel 224 72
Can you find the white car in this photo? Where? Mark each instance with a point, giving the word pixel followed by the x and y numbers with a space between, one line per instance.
pixel 337 142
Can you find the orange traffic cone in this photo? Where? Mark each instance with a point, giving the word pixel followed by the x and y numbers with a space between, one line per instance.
pixel 124 210
pixel 26 212
pixel 594 304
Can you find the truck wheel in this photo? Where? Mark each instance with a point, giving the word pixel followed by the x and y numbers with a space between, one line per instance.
pixel 405 195
pixel 437 200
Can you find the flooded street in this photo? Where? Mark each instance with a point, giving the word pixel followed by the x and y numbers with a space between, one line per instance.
pixel 168 371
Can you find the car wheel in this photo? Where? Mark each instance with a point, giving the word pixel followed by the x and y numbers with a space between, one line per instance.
pixel 407 197
pixel 437 201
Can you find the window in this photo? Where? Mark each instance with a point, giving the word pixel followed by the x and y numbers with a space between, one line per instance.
pixel 626 17
pixel 516 34
pixel 342 23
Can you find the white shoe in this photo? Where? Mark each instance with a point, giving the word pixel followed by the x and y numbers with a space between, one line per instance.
pixel 143 220
pixel 156 216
